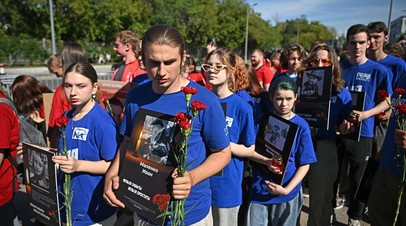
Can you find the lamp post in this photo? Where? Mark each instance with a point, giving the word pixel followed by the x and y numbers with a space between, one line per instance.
pixel 246 30
pixel 51 18
pixel 390 15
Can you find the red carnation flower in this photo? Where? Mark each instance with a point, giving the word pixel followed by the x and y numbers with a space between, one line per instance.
pixel 62 121
pixel 382 95
pixel 180 117
pixel 161 200
pixel 188 90
pixel 401 108
pixel 185 125
pixel 197 105
pixel 400 91
pixel 104 98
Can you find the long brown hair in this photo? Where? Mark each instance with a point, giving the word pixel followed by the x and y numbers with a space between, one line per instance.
pixel 338 81
pixel 72 53
pixel 253 88
pixel 27 94
pixel 228 58
pixel 240 74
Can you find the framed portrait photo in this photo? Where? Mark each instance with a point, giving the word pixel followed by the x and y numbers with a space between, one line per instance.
pixel 314 94
pixel 276 137
pixel 41 184
pixel 358 103
pixel 147 164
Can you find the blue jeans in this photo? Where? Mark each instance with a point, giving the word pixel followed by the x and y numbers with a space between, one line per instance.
pixel 282 214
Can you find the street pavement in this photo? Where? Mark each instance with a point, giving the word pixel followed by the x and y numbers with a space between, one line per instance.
pixel 340 214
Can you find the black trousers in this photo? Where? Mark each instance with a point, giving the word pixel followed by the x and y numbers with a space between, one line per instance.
pixel 357 153
pixel 321 178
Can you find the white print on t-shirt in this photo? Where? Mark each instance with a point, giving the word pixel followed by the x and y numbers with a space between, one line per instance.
pixel 363 77
pixel 80 133
pixel 74 153
pixel 357 88
pixel 229 123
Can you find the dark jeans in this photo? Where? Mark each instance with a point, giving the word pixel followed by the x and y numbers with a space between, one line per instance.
pixel 357 153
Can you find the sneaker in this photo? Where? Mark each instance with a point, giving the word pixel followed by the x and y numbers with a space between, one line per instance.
pixel 353 222
pixel 340 202
pixel 306 192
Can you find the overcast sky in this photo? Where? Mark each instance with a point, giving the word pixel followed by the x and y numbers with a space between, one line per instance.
pixel 340 14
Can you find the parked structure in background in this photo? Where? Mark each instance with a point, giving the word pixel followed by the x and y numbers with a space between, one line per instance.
pixel 397 29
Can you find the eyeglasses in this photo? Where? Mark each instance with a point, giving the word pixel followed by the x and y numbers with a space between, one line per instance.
pixel 216 67
pixel 324 62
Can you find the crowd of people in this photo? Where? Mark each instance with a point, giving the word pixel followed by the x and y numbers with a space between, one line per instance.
pixel 225 182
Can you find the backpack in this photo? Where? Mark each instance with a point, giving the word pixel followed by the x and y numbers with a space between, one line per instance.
pixel 28 134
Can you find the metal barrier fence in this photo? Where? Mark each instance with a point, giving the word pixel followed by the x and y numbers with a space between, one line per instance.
pixel 51 81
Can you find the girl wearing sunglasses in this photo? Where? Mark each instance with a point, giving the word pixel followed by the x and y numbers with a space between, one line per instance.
pixel 220 67
pixel 323 173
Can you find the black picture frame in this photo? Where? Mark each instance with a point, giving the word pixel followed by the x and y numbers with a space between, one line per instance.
pixel 143 175
pixel 358 103
pixel 314 100
pixel 41 184
pixel 272 141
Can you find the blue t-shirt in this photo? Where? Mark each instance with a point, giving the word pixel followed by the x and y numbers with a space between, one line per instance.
pixel 368 77
pixel 302 154
pixel 340 108
pixel 396 65
pixel 140 79
pixel 92 138
pixel 389 159
pixel 240 127
pixel 245 96
pixel 208 129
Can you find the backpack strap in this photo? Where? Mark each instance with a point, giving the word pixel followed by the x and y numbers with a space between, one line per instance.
pixel 9 103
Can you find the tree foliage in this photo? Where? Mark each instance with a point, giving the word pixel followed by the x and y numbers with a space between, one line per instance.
pixel 96 21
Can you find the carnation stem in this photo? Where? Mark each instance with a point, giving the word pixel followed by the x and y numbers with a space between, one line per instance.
pixel 402 185
pixel 66 187
pixel 68 204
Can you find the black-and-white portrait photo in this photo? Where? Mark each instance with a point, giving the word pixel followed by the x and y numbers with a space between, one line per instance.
pixel 156 138
pixel 276 133
pixel 313 83
pixel 38 163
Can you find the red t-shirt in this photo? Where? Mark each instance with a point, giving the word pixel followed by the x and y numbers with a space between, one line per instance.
pixel 131 70
pixel 198 78
pixel 264 74
pixel 9 138
pixel 60 104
